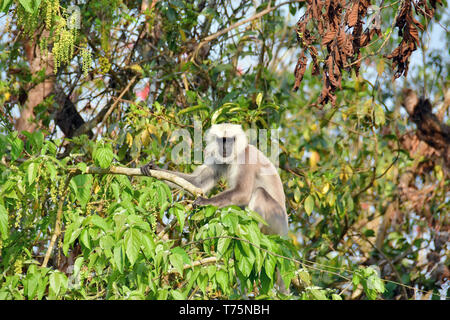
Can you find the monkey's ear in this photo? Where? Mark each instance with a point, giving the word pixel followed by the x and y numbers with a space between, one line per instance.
pixel 145 170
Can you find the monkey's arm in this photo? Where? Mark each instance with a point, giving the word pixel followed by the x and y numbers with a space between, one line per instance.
pixel 203 176
pixel 239 195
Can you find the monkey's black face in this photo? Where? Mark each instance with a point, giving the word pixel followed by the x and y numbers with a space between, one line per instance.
pixel 226 146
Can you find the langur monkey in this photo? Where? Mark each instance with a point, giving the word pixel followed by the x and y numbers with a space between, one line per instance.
pixel 252 179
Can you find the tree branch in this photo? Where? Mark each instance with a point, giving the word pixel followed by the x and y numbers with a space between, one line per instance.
pixel 104 113
pixel 160 175
pixel 57 231
pixel 205 261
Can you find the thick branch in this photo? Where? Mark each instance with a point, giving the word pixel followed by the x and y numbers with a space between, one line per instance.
pixel 429 129
pixel 160 175
pixel 203 262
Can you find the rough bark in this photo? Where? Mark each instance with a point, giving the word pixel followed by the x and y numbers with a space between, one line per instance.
pixel 36 94
pixel 429 129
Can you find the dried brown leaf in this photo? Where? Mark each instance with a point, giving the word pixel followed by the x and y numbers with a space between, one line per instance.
pixel 329 37
pixel 353 15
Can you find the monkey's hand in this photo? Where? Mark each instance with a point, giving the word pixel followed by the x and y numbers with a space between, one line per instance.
pixel 149 166
pixel 200 201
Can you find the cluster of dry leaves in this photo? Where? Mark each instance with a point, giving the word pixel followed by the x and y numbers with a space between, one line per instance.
pixel 343 28
pixel 408 29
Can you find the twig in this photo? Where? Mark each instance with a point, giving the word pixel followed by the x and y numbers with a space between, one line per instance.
pixel 57 231
pixel 104 113
pixel 239 23
pixel 303 263
pixel 403 286
pixel 172 223
pixel 205 261
pixel 382 45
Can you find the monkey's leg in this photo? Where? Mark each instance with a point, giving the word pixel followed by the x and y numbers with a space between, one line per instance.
pixel 280 283
pixel 275 216
pixel 271 211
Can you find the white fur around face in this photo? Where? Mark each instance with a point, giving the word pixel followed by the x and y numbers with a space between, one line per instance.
pixel 225 130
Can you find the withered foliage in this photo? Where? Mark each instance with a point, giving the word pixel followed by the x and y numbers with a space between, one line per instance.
pixel 408 29
pixel 342 28
pixel 332 19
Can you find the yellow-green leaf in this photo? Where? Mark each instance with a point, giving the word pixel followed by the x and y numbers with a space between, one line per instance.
pixel 309 204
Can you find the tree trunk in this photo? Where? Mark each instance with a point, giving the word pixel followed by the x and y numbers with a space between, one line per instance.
pixel 41 90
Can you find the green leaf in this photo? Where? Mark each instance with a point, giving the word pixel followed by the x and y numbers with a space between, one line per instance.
pixel 199 215
pixel 103 156
pixel 51 169
pixel 119 258
pixel 269 266
pixel 259 99
pixel 106 242
pixel 244 263
pixel 177 295
pixel 254 234
pixel 309 204
pixel 318 294
pixel 202 280
pixel 375 283
pixel 32 286
pixel 178 210
pixel 379 115
pixel 192 278
pixel 82 185
pixel 356 280
pixel 84 238
pixel 177 262
pixel 16 148
pixel 55 282
pixel 132 244
pixel 222 110
pixel 193 108
pixel 98 222
pixel 305 277
pixel 297 194
pixel 72 232
pixel 231 221
pixel 222 246
pixel 37 139
pixel 148 245
pixel 179 258
pixel 209 211
pixel 4 230
pixel 222 280
pixel 32 172
pixel 26 4
pixel 369 233
pixel 255 215
pixel 82 166
pixel 335 296
pixel 5 6
pixel 266 282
